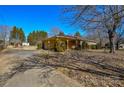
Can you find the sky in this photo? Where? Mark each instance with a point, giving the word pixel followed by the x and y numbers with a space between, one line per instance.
pixel 34 18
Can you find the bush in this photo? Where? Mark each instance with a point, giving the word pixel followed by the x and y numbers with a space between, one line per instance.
pixel 1 47
pixel 93 46
pixel 60 46
pixel 39 46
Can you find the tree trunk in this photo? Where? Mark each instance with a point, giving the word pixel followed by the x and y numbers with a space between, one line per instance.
pixel 117 45
pixel 4 43
pixel 100 44
pixel 112 42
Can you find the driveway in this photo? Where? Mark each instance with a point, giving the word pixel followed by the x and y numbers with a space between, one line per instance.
pixel 10 56
pixel 44 77
pixel 35 77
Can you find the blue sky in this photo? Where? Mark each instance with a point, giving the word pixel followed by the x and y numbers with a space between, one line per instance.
pixel 34 18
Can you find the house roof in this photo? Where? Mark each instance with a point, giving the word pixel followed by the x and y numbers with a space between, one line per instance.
pixel 71 37
pixel 66 36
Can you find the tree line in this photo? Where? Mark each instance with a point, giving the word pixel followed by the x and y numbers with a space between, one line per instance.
pixel 36 37
pixel 17 35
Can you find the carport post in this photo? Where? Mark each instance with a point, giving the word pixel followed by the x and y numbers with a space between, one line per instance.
pixel 81 44
pixel 67 45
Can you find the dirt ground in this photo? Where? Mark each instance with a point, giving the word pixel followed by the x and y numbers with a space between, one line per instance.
pixel 31 68
pixel 11 76
pixel 11 56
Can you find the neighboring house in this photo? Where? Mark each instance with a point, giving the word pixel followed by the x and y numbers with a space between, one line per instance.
pixel 15 43
pixel 91 44
pixel 68 42
pixel 25 44
pixel 121 46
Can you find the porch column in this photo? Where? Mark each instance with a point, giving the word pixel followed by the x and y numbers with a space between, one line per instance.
pixel 67 45
pixel 48 46
pixel 76 43
pixel 81 44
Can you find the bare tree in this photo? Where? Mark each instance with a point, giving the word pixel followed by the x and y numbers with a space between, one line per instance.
pixel 120 36
pixel 4 33
pixel 61 33
pixel 55 31
pixel 99 36
pixel 93 18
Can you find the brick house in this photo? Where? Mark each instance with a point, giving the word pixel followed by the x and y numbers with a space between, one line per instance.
pixel 69 42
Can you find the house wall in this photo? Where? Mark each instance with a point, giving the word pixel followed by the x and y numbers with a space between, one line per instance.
pixel 49 44
pixel 121 46
pixel 25 44
pixel 52 43
pixel 92 45
pixel 71 44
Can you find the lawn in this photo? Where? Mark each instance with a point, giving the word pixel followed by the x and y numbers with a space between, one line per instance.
pixel 87 68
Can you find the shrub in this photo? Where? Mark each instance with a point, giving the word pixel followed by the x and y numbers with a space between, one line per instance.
pixel 39 46
pixel 93 46
pixel 1 47
pixel 60 46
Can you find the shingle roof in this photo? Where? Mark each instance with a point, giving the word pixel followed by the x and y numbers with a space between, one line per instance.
pixel 72 37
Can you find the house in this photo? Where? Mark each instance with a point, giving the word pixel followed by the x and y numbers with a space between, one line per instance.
pixel 15 42
pixel 121 46
pixel 67 42
pixel 25 44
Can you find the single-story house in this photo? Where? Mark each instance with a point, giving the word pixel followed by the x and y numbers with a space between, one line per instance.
pixel 25 44
pixel 67 42
pixel 121 46
pixel 15 42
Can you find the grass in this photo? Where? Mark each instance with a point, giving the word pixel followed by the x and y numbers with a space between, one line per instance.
pixel 89 68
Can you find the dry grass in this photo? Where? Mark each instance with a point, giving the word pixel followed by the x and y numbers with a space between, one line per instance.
pixel 90 69
pixel 97 69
